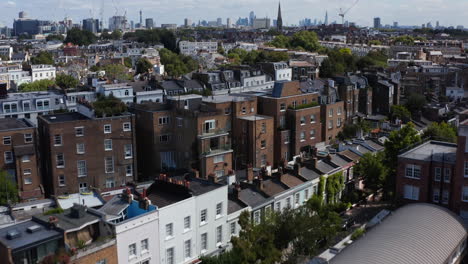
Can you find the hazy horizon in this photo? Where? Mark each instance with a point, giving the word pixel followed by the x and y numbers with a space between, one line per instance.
pixel 409 12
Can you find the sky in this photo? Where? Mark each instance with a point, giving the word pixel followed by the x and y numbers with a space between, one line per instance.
pixel 406 12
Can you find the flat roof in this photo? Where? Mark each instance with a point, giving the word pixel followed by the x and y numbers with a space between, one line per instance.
pixel 228 98
pixel 416 233
pixel 27 239
pixel 67 222
pixel 92 200
pixel 432 150
pixel 65 117
pixel 13 123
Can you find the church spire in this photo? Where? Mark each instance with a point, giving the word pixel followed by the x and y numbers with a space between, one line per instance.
pixel 279 20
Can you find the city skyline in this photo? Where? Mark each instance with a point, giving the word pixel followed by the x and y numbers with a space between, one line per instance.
pixel 413 12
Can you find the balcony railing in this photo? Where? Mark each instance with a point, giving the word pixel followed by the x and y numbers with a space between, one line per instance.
pixel 219 149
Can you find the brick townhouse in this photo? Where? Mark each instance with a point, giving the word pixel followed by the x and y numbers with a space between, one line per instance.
pixel 294 111
pixel 18 146
pixel 83 152
pixel 185 133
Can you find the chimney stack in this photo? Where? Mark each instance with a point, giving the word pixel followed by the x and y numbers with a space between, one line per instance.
pixel 237 190
pixel 250 174
pixel 259 184
pixel 212 178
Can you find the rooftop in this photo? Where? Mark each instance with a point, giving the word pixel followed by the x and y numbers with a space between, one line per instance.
pixel 69 221
pixel 252 198
pixel 234 205
pixel 415 233
pixel 65 117
pixel 432 150
pixel 13 123
pixel 26 238
pixel 175 189
pixel 92 200
pixel 225 98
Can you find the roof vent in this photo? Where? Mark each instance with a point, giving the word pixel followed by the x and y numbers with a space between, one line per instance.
pixel 12 234
pixel 34 229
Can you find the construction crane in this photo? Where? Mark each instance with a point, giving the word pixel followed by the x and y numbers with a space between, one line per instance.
pixel 343 13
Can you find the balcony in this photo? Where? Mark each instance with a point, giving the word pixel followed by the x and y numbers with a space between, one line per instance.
pixel 226 148
pixel 207 133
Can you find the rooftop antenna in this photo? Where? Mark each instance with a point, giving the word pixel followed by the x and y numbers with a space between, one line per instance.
pixel 343 13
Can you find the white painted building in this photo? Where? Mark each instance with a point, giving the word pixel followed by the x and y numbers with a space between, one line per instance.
pixel 192 48
pixel 72 99
pixel 192 218
pixel 122 91
pixel 6 51
pixel 42 72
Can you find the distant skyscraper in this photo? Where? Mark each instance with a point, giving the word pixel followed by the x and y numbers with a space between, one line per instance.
pixel 141 18
pixel 279 20
pixel 187 22
pixel 149 23
pixel 395 24
pixel 377 23
pixel 228 23
pixel 117 23
pixel 219 21
pixel 251 18
pixel 91 25
pixel 437 24
pixel 326 18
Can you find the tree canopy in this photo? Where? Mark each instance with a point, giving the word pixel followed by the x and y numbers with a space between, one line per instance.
pixel 66 81
pixel 55 37
pixel 397 141
pixel 40 85
pixel 303 231
pixel 109 106
pixel 8 189
pixel 442 132
pixel 302 40
pixel 154 36
pixel 400 112
pixel 43 57
pixel 340 61
pixel 240 56
pixel 415 102
pixel 373 171
pixel 116 72
pixel 143 66
pixel 176 64
pixel 80 37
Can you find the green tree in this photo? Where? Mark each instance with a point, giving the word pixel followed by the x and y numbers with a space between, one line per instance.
pixel 109 106
pixel 143 66
pixel 55 37
pixel 41 85
pixel 80 37
pixel 441 131
pixel 400 112
pixel 154 36
pixel 327 69
pixel 116 72
pixel 177 64
pixel 397 141
pixel 373 171
pixel 128 62
pixel 281 41
pixel 307 40
pixel 415 102
pixel 8 189
pixel 66 81
pixel 256 241
pixel 43 57
pixel 116 35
